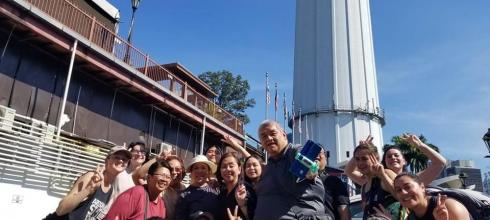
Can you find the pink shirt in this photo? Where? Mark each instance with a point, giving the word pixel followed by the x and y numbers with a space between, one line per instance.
pixel 131 205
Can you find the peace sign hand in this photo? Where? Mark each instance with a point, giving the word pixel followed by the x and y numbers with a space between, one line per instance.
pixel 233 216
pixel 441 212
pixel 367 141
pixel 97 178
pixel 241 195
pixel 378 168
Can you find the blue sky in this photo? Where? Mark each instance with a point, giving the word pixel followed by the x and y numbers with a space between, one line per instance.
pixel 432 58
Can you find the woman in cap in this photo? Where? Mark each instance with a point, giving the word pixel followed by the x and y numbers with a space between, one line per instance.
pixel 92 191
pixel 199 197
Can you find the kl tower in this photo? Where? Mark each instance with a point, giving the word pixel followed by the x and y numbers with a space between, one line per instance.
pixel 335 86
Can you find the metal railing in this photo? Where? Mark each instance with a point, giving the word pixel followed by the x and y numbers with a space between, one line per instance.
pixel 32 156
pixel 87 26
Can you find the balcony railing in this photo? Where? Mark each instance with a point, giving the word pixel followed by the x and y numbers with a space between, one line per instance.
pixel 87 26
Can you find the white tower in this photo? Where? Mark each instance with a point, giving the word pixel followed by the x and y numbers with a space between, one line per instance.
pixel 335 76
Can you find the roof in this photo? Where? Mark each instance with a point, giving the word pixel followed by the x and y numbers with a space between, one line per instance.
pixel 108 8
pixel 183 73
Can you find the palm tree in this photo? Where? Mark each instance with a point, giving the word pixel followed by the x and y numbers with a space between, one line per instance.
pixel 416 160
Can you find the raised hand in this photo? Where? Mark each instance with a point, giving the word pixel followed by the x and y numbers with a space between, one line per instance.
pixel 378 168
pixel 411 139
pixel 230 141
pixel 241 195
pixel 367 141
pixel 233 216
pixel 441 212
pixel 98 177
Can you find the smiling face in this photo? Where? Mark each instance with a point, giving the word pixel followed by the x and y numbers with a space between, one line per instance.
pixel 272 138
pixel 160 179
pixel 230 170
pixel 200 173
pixel 253 169
pixel 409 192
pixel 394 160
pixel 176 171
pixel 363 162
pixel 213 154
pixel 116 163
pixel 138 155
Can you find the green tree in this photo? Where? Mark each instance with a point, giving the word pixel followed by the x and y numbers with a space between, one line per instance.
pixel 232 92
pixel 416 160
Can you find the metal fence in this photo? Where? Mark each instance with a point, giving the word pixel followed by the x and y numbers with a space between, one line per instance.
pixel 87 26
pixel 32 156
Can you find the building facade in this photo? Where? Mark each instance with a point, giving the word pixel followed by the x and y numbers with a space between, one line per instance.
pixel 335 85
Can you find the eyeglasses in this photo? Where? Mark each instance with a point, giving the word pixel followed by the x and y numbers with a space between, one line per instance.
pixel 162 176
pixel 176 169
pixel 119 157
pixel 142 152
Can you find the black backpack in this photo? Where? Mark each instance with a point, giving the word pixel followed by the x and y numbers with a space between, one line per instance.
pixel 478 204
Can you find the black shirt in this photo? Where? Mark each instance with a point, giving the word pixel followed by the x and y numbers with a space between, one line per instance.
pixel 197 199
pixel 227 200
pixel 336 194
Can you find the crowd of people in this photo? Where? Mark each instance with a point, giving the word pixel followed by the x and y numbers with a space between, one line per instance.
pixel 237 185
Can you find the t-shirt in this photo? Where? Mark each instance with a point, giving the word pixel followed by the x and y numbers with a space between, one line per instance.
pixel 280 196
pixel 197 199
pixel 122 182
pixel 93 208
pixel 336 194
pixel 131 205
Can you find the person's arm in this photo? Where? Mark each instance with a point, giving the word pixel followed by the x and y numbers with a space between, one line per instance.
pixel 143 170
pixel 344 212
pixel 438 162
pixel 456 210
pixel 83 188
pixel 387 178
pixel 227 139
pixel 352 172
pixel 340 196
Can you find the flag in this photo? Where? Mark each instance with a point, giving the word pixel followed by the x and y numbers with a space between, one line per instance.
pixel 284 106
pixel 267 91
pixel 293 115
pixel 276 101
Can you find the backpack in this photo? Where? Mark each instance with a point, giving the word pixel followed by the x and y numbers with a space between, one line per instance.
pixel 478 205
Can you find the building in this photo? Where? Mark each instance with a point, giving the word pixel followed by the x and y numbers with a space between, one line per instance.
pixel 461 174
pixel 335 86
pixel 115 94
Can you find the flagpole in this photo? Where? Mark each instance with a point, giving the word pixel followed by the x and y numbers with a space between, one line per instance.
pixel 285 109
pixel 293 118
pixel 299 129
pixel 275 104
pixel 267 95
pixel 307 128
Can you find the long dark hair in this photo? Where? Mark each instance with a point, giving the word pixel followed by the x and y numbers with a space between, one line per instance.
pixel 246 178
pixel 218 170
pixel 386 149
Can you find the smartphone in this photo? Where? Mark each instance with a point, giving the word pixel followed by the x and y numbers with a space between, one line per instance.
pixel 304 160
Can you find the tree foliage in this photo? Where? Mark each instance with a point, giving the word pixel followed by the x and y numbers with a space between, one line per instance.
pixel 232 92
pixel 416 160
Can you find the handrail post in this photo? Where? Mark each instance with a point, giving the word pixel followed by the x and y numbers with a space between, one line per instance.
pixel 92 26
pixel 147 57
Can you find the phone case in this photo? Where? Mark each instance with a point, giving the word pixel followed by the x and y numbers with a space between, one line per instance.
pixel 304 161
